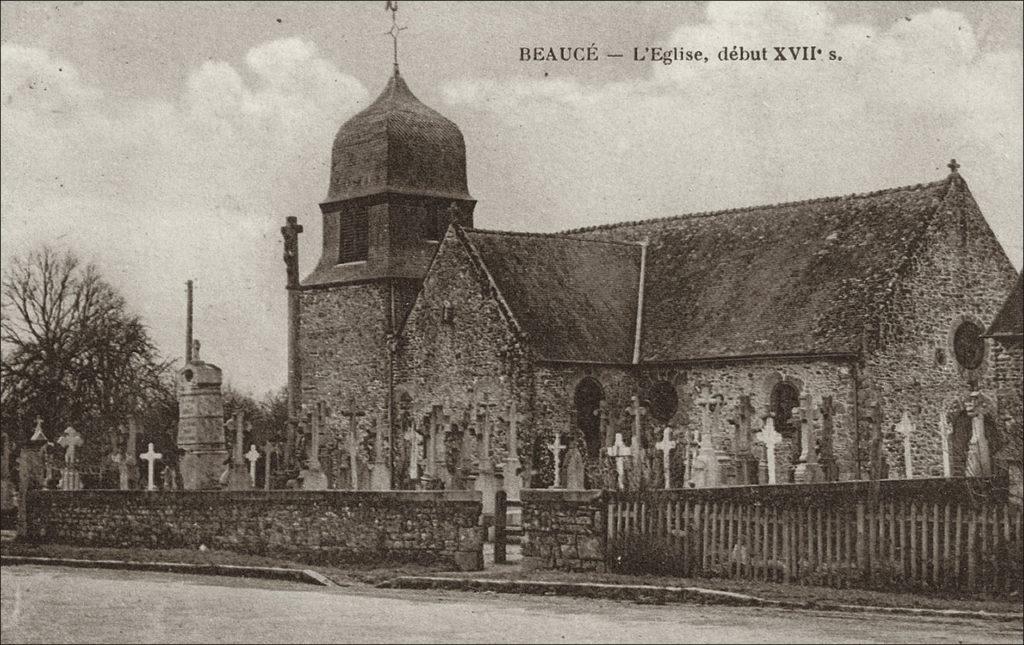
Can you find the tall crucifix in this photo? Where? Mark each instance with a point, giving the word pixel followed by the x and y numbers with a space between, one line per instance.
pixel 351 441
pixel 392 6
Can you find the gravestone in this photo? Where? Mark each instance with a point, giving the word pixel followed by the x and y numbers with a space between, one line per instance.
pixel 979 461
pixel 905 428
pixel 575 468
pixel 637 412
pixel 944 440
pixel 352 441
pixel 313 476
pixel 252 457
pixel 71 441
pixel 128 471
pixel 744 423
pixel 486 480
pixel 512 468
pixel 415 442
pixel 604 426
pixel 200 424
pixel 151 456
pixel 270 450
pixel 619 451
pixel 237 475
pixel 666 445
pixel 555 448
pixel 807 470
pixel 770 438
pixel 706 465
pixel 380 472
pixel 826 448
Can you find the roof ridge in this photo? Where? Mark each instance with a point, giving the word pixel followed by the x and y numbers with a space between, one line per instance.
pixel 743 209
pixel 555 235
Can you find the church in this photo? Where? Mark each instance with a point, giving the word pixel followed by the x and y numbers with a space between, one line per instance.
pixel 829 339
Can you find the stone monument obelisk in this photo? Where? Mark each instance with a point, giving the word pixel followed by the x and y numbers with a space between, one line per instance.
pixel 200 423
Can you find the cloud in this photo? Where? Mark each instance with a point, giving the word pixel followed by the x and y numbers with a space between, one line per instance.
pixel 159 191
pixel 688 137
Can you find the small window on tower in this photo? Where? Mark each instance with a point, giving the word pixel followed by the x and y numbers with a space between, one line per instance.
pixel 354 243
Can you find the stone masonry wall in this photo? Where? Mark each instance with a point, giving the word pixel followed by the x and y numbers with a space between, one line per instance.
pixel 343 352
pixel 440 361
pixel 564 529
pixel 432 528
pixel 961 273
pixel 556 386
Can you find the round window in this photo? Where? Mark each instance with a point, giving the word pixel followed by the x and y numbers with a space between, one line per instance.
pixel 968 345
pixel 664 401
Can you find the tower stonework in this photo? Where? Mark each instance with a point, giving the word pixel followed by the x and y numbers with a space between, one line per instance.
pixel 398 179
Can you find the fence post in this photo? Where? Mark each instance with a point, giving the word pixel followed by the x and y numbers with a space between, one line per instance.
pixel 500 520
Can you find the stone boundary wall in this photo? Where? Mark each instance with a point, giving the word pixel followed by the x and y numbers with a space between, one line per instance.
pixel 434 528
pixel 564 529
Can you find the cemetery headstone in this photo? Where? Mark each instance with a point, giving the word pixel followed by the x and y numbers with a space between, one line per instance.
pixel 380 475
pixel 71 478
pixel 575 468
pixel 807 470
pixel 619 451
pixel 979 462
pixel 352 441
pixel 313 476
pixel 666 445
pixel 706 471
pixel 238 473
pixel 745 424
pixel 770 438
pixel 944 440
pixel 905 428
pixel 151 456
pixel 555 448
pixel 512 469
pixel 252 457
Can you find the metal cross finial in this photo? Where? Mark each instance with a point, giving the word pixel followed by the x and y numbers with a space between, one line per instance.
pixel 952 165
pixel 392 6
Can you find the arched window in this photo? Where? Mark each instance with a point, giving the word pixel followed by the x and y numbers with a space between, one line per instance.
pixel 589 395
pixel 785 397
pixel 664 401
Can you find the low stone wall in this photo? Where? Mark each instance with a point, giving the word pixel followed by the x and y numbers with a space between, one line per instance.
pixel 564 529
pixel 436 528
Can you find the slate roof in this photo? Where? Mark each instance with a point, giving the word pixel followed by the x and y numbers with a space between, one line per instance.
pixel 795 278
pixel 1009 322
pixel 799 277
pixel 398 144
pixel 575 298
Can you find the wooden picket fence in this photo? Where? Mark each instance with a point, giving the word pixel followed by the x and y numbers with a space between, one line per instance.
pixel 958 534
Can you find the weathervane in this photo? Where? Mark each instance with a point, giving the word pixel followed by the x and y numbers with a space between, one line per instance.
pixel 392 6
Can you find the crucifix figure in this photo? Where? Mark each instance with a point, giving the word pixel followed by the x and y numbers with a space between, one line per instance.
pixel 290 232
pixel 905 428
pixel 665 446
pixel 252 456
pixel 351 441
pixel 619 451
pixel 151 456
pixel 555 448
pixel 392 6
pixel 770 438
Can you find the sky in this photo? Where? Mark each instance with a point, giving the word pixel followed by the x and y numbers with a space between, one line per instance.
pixel 168 142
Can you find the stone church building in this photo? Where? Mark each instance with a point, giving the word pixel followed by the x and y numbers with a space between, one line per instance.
pixel 854 325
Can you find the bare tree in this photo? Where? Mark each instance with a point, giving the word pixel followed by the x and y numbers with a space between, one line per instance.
pixel 72 352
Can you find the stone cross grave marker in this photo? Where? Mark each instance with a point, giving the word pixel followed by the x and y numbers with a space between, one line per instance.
pixel 151 456
pixel 415 440
pixel 944 432
pixel 380 473
pixel 510 470
pixel 252 456
pixel 575 467
pixel 313 477
pixel 237 475
pixel 770 438
pixel 555 448
pixel 351 441
pixel 619 451
pixel 905 428
pixel 705 466
pixel 665 446
pixel 485 433
pixel 744 422
pixel 638 412
pixel 70 441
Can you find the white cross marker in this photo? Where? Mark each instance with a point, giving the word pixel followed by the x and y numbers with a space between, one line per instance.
pixel 905 427
pixel 556 448
pixel 665 446
pixel 637 411
pixel 415 439
pixel 252 456
pixel 620 451
pixel 769 438
pixel 947 466
pixel 151 456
